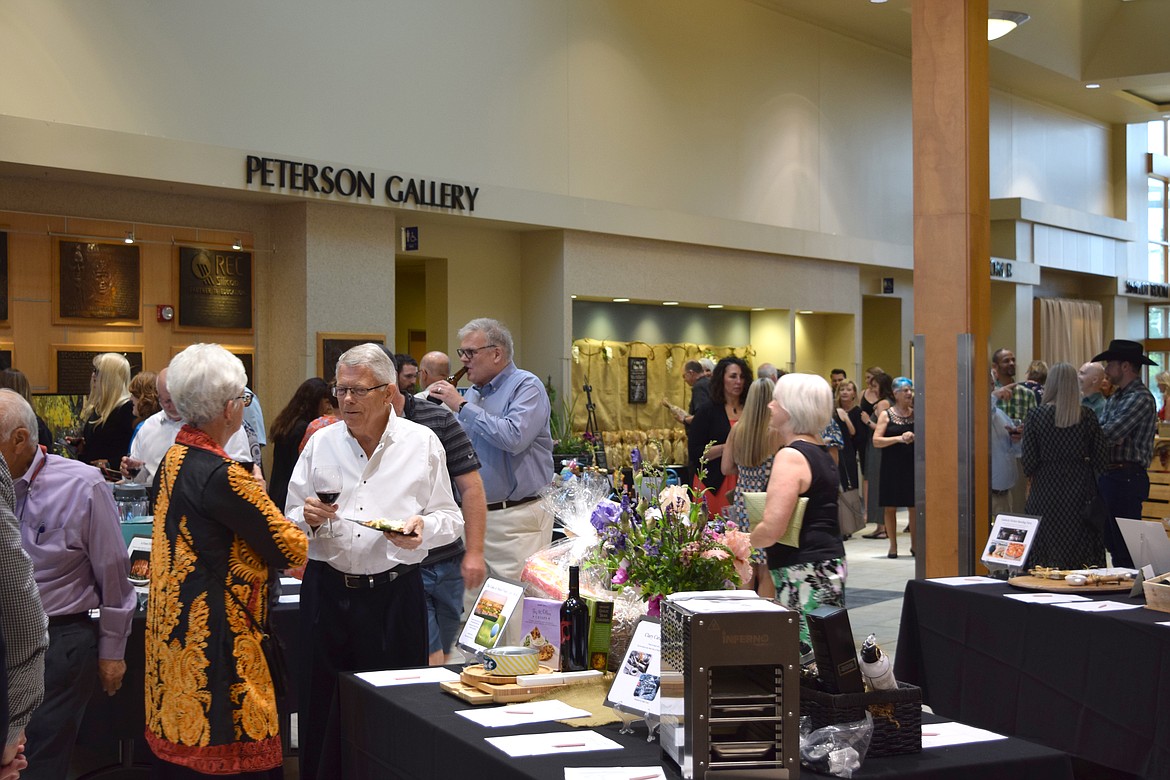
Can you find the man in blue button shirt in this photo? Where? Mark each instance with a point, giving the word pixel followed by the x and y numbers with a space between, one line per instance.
pixel 506 415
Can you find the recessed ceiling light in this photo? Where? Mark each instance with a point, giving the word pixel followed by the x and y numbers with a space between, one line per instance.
pixel 670 303
pixel 1093 85
pixel 761 308
pixel 621 300
pixel 574 297
pixel 714 305
pixel 804 311
pixel 1000 23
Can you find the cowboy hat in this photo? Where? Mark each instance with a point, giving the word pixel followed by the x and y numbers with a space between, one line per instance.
pixel 1128 351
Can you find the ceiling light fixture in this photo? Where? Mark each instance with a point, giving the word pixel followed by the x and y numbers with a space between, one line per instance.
pixel 670 303
pixel 805 311
pixel 237 245
pixel 129 237
pixel 1093 85
pixel 1000 23
pixel 621 300
pixel 758 308
pixel 714 305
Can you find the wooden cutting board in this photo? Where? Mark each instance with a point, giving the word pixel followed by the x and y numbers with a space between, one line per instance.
pixel 1028 582
pixel 475 675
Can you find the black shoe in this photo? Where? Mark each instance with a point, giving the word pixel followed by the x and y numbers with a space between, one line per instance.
pixel 891 555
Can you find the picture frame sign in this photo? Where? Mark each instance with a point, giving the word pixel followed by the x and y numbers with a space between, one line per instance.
pixel 637 390
pixel 215 289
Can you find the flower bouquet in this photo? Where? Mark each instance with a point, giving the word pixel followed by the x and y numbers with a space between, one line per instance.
pixel 660 540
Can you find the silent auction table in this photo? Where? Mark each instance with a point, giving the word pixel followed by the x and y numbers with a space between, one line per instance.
pixel 1096 686
pixel 411 732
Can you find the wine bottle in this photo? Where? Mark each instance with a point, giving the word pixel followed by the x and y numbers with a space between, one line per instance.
pixel 574 627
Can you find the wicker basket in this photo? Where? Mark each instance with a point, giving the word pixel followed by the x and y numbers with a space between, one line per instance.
pixel 897 715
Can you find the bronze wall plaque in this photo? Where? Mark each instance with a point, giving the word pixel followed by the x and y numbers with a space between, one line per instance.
pixel 75 366
pixel 215 289
pixel 330 346
pixel 98 281
pixel 4 279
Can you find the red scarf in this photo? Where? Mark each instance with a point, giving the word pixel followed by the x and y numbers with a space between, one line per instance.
pixel 194 437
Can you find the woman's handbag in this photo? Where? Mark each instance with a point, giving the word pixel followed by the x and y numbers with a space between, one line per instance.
pixel 1094 511
pixel 850 516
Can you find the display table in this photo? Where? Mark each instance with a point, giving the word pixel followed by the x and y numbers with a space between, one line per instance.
pixel 411 732
pixel 1096 686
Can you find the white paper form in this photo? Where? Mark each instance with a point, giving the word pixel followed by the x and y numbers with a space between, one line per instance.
pixel 936 735
pixel 553 742
pixel 289 581
pixel 387 677
pixel 1045 598
pixel 615 773
pixel 289 598
pixel 1099 606
pixel 966 581
pixel 523 712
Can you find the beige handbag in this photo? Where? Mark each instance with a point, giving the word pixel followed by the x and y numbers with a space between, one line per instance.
pixel 753 504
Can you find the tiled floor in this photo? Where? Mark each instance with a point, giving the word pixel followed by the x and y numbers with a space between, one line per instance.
pixel 874 586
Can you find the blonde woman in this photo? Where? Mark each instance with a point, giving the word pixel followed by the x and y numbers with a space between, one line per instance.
pixel 752 444
pixel 1162 380
pixel 108 413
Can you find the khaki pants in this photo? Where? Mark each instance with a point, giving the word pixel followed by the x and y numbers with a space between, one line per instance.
pixel 512 535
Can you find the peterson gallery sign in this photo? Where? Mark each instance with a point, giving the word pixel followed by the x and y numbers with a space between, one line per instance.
pixel 298 176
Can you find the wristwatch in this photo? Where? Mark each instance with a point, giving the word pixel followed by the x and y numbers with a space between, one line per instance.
pixel 459 408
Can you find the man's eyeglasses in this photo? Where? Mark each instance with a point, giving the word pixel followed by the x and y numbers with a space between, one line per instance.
pixel 470 353
pixel 356 392
pixel 246 397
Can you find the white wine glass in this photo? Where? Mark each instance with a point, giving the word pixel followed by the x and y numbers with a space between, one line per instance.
pixel 327 486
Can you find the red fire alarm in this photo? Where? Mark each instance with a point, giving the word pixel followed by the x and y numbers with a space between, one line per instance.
pixel 165 312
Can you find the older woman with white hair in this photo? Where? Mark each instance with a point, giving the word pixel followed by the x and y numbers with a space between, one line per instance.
pixel 210 696
pixel 811 574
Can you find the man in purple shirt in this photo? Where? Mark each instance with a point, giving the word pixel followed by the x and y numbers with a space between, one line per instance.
pixel 70 529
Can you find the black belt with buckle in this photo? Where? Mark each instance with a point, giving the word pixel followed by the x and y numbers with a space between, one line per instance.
pixel 373 580
pixel 1128 465
pixel 512 502
pixel 64 620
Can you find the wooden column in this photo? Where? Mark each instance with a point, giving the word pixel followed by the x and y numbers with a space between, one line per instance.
pixel 951 259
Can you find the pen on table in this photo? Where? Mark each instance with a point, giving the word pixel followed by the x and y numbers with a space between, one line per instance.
pixel 930 733
pixel 572 744
pixel 519 712
pixel 645 777
pixel 408 677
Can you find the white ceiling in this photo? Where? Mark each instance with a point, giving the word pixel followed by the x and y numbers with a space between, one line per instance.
pixel 1124 45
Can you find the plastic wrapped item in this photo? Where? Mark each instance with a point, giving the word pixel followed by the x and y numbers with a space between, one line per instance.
pixel 546 573
pixel 835 750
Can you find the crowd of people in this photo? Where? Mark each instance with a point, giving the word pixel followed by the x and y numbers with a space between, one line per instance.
pixel 393 438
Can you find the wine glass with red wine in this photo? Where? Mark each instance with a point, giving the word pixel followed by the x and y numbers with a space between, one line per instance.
pixel 327 485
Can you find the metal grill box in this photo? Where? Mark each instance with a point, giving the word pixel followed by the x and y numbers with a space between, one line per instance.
pixel 730 686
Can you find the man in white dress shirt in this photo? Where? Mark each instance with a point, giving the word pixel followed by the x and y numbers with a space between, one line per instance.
pixel 158 433
pixel 362 603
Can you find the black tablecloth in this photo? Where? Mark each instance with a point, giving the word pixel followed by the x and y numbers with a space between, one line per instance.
pixel 112 719
pixel 411 732
pixel 1096 686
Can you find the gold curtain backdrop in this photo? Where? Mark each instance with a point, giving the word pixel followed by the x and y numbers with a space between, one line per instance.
pixel 1070 330
pixel 605 366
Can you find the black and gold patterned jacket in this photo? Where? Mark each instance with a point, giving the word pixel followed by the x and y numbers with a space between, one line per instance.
pixel 210 703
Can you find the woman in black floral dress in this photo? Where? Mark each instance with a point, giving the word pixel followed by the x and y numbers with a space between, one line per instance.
pixel 1064 451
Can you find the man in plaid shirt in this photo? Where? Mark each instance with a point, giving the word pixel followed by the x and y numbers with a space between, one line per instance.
pixel 1129 422
pixel 25 631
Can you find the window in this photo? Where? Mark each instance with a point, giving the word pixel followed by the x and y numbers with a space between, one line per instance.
pixel 1157 232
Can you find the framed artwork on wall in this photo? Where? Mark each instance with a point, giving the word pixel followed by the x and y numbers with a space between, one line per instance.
pixel 73 365
pixel 6 355
pixel 330 346
pixel 96 283
pixel 214 289
pixel 5 291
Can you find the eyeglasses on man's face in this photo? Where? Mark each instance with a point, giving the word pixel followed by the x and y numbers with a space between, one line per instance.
pixel 356 392
pixel 470 352
pixel 246 397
